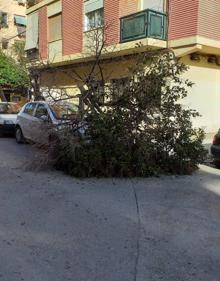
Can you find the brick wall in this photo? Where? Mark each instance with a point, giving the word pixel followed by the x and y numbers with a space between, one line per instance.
pixel 43 44
pixel 112 23
pixel 184 18
pixel 187 18
pixel 209 19
pixel 72 26
pixel 128 7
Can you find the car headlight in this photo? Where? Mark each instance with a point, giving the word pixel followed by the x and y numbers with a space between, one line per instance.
pixel 8 122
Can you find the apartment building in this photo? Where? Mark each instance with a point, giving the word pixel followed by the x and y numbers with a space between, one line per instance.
pixel 58 33
pixel 12 22
pixel 12 30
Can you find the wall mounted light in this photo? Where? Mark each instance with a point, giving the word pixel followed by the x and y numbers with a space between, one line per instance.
pixel 212 59
pixel 195 57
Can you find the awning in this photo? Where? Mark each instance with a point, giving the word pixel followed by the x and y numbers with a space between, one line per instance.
pixel 20 20
pixel 32 32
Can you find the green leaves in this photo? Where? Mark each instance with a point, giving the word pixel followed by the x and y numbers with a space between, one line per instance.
pixel 12 75
pixel 145 131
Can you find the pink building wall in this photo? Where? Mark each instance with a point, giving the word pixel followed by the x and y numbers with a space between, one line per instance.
pixel 183 19
pixel 186 18
pixel 43 42
pixel 72 26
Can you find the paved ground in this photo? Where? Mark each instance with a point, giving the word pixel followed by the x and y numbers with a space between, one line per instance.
pixel 56 228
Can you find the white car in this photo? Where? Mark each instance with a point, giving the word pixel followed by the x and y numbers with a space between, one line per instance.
pixel 38 121
pixel 8 116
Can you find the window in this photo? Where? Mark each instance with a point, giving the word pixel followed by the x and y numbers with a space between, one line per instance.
pixel 3 19
pixel 157 5
pixel 65 111
pixel 94 19
pixel 94 14
pixel 55 30
pixel 41 111
pixel 29 109
pixel 16 99
pixel 118 87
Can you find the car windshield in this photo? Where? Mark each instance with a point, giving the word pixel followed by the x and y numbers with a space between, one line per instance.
pixel 9 108
pixel 64 111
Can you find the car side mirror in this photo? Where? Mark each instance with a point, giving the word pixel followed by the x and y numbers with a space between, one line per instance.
pixel 44 118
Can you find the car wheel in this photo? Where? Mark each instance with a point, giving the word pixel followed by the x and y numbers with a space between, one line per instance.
pixel 19 135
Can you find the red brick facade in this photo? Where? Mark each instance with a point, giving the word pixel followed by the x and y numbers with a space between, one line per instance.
pixel 113 10
pixel 112 23
pixel 72 26
pixel 209 19
pixel 128 7
pixel 197 17
pixel 43 44
pixel 187 18
pixel 183 18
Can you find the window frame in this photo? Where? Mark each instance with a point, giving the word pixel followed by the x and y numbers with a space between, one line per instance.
pixel 96 24
pixel 3 19
pixel 115 89
pixel 33 112
pixel 38 105
pixel 164 6
pixel 61 29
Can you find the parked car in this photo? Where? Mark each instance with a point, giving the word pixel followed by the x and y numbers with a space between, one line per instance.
pixel 39 121
pixel 8 116
pixel 215 148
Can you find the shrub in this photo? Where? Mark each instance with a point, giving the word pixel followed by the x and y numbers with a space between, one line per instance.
pixel 140 130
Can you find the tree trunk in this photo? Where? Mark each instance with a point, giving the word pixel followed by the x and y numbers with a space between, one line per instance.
pixel 2 95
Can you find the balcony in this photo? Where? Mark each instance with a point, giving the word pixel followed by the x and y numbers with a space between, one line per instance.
pixel 144 24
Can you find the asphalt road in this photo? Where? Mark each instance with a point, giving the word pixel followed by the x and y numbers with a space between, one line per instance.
pixel 57 228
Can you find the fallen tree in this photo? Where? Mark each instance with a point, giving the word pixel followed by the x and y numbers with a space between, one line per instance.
pixel 138 128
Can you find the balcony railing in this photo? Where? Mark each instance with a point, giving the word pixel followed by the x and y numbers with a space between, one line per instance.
pixel 145 24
